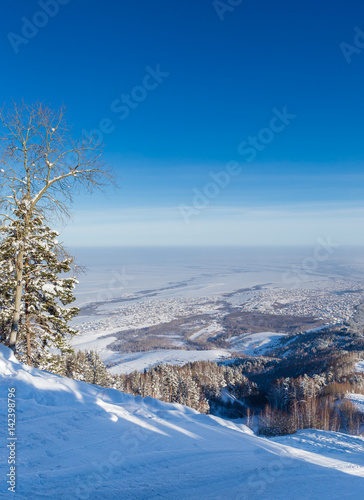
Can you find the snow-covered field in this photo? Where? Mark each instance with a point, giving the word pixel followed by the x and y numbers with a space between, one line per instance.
pixel 175 272
pixel 141 360
pixel 78 441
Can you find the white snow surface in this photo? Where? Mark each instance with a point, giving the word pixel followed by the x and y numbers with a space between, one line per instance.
pixel 357 400
pixel 255 344
pixel 359 367
pixel 145 359
pixel 79 441
pixel 210 330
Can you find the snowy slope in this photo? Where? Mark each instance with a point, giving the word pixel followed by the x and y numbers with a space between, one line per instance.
pixel 357 400
pixel 256 344
pixel 145 359
pixel 78 441
pixel 359 367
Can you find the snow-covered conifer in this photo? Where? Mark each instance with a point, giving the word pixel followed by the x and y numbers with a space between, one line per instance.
pixel 44 327
pixel 98 370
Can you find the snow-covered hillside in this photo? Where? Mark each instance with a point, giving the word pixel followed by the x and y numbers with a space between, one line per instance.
pixel 142 360
pixel 78 441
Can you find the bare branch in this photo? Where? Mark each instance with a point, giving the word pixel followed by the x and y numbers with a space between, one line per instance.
pixel 42 163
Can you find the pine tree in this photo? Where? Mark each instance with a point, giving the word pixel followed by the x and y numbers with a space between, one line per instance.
pixel 170 384
pixel 77 366
pixel 44 320
pixel 98 370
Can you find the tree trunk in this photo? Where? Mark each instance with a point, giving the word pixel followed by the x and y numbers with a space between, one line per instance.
pixel 17 305
pixel 27 322
pixel 29 347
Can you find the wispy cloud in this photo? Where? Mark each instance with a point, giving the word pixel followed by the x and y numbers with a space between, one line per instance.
pixel 291 225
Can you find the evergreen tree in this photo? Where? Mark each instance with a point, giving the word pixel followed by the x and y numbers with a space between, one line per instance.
pixel 169 384
pixel 77 366
pixel 44 319
pixel 98 371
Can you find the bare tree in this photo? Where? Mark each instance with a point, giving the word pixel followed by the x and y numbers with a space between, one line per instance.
pixel 42 167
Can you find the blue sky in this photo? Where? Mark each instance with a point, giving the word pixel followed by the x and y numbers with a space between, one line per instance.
pixel 186 88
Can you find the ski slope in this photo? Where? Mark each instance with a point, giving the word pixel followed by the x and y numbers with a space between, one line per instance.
pixel 145 359
pixel 78 441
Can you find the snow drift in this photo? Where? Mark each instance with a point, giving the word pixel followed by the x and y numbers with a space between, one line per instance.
pixel 79 441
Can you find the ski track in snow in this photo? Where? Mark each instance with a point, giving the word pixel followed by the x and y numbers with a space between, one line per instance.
pixel 78 441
